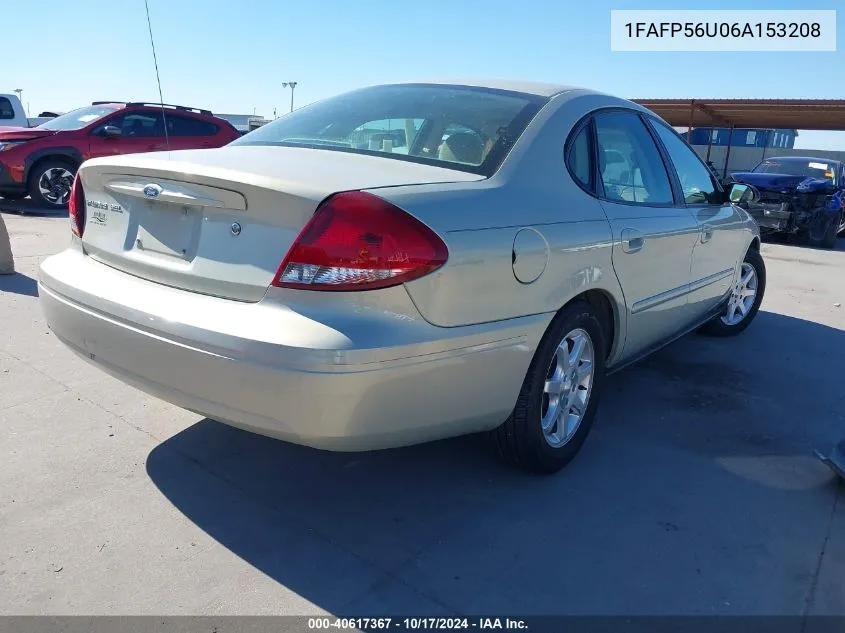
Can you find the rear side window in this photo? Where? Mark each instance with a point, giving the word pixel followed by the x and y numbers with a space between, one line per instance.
pixel 696 181
pixel 6 109
pixel 185 126
pixel 579 158
pixel 631 167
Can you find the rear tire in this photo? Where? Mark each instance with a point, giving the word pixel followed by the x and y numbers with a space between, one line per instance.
pixel 521 440
pixel 727 324
pixel 50 182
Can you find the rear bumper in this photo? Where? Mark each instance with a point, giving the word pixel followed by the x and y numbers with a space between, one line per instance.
pixel 322 382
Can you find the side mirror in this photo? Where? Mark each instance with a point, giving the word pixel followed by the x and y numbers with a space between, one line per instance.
pixel 111 131
pixel 740 193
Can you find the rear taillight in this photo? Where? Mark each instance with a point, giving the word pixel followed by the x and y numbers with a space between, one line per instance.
pixel 76 207
pixel 357 241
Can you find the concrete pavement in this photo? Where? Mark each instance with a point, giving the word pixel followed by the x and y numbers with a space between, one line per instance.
pixel 696 492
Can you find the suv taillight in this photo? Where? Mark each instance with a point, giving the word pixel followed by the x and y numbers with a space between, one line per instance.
pixel 357 241
pixel 76 207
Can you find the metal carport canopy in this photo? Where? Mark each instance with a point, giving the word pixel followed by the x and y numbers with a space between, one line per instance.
pixel 796 114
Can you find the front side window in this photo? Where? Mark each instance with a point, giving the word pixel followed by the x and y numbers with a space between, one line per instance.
pixel 77 119
pixel 138 125
pixel 6 109
pixel 459 127
pixel 631 167
pixel 696 180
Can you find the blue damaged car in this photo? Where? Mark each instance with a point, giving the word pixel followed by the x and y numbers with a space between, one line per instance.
pixel 799 195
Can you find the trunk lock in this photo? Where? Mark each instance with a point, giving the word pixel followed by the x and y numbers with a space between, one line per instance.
pixel 236 228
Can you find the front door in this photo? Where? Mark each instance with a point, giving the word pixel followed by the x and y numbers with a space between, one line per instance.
pixel 653 237
pixel 718 249
pixel 140 131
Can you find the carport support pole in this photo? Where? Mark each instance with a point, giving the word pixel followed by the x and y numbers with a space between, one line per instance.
pixel 728 154
pixel 709 146
pixel 7 264
pixel 691 119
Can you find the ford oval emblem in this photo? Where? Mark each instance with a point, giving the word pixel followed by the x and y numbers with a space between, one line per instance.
pixel 152 191
pixel 236 228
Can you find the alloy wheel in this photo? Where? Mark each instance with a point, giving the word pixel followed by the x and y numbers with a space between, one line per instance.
pixel 566 392
pixel 55 184
pixel 742 296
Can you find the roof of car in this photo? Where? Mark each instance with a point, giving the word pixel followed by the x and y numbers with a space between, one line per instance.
pixel 538 88
pixel 819 159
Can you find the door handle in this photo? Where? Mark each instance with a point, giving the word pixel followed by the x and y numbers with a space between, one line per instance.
pixel 632 240
pixel 706 233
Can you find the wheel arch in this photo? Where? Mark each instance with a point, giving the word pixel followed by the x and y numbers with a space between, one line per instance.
pixel 70 155
pixel 607 309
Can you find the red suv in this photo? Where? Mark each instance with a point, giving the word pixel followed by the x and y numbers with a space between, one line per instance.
pixel 43 160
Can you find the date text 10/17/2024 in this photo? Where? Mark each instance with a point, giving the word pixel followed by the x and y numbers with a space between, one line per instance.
pixel 416 624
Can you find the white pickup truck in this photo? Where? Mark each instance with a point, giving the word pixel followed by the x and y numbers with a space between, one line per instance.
pixel 12 113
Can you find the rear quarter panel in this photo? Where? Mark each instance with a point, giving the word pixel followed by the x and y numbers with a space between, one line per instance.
pixel 480 222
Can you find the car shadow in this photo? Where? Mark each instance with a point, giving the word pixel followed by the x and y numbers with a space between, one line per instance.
pixel 695 484
pixel 28 207
pixel 19 283
pixel 804 243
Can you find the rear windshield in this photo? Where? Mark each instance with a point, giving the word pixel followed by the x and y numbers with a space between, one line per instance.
pixel 77 119
pixel 470 129
pixel 803 167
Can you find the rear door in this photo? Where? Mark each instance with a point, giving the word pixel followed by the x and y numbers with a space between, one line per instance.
pixel 653 236
pixel 141 131
pixel 718 247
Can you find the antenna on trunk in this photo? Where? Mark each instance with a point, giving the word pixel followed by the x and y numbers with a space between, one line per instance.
pixel 158 79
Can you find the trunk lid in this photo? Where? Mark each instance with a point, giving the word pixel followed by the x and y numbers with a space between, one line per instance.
pixel 220 221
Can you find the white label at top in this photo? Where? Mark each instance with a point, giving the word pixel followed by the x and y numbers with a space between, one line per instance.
pixel 723 30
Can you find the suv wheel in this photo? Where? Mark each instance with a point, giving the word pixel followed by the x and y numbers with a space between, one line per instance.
pixel 50 183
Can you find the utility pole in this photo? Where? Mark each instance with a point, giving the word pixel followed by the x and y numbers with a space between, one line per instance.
pixel 292 86
pixel 20 98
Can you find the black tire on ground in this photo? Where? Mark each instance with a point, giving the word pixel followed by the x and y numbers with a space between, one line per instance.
pixel 519 440
pixel 828 240
pixel 13 195
pixel 717 327
pixel 35 176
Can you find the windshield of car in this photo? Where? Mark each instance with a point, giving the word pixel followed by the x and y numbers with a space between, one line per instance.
pixel 77 119
pixel 799 167
pixel 460 127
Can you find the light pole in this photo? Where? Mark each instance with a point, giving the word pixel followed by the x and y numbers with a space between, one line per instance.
pixel 20 98
pixel 292 86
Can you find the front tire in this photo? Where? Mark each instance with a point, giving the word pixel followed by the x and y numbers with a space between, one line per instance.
pixel 831 233
pixel 559 397
pixel 744 302
pixel 50 183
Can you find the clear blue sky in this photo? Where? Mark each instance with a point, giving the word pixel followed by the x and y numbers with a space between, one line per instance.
pixel 232 55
